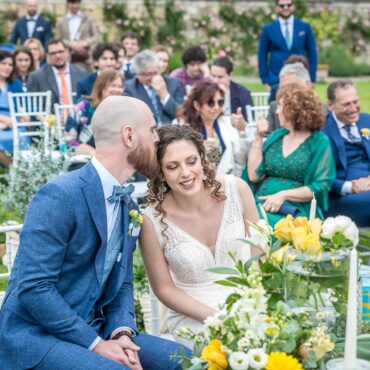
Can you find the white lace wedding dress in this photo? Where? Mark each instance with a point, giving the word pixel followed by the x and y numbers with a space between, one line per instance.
pixel 188 259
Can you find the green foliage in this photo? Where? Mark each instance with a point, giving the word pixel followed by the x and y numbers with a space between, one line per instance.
pixel 50 16
pixel 172 31
pixel 6 19
pixel 341 62
pixel 25 179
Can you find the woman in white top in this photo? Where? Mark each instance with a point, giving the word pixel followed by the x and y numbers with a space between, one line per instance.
pixel 192 223
pixel 226 147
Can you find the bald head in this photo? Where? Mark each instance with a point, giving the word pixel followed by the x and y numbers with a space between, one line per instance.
pixel 115 112
pixel 31 7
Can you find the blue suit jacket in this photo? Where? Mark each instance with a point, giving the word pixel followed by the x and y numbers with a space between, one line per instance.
pixel 135 89
pixel 42 31
pixel 240 97
pixel 85 86
pixel 57 275
pixel 273 51
pixel 337 144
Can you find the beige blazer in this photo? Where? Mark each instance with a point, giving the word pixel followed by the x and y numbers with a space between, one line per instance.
pixel 88 31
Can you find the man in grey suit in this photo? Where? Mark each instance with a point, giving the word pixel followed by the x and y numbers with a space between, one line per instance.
pixel 163 94
pixel 58 76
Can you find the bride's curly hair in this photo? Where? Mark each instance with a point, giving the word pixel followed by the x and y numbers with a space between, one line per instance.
pixel 158 187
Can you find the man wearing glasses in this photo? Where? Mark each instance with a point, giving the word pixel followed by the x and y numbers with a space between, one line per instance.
pixel 58 76
pixel 162 94
pixel 282 38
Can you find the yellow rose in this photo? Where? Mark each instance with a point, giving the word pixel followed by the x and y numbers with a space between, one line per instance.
pixel 312 244
pixel 140 219
pixel 283 229
pixel 298 236
pixel 215 356
pixel 300 222
pixel 315 226
pixel 365 131
pixel 134 213
pixel 279 254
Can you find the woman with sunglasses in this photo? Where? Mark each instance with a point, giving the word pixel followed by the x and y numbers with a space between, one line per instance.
pixel 203 111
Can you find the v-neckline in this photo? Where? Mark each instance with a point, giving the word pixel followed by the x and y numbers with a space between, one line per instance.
pixel 282 149
pixel 189 236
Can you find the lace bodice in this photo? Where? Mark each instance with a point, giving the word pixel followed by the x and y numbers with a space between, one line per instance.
pixel 189 259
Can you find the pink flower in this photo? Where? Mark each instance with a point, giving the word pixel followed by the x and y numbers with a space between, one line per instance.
pixel 218 24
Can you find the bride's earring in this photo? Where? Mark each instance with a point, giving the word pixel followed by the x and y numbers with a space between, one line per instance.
pixel 162 190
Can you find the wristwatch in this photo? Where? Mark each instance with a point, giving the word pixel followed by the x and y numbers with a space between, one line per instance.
pixel 123 332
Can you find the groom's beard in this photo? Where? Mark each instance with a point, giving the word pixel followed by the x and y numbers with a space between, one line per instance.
pixel 144 161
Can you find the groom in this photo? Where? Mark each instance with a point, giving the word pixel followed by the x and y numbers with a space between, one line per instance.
pixel 69 303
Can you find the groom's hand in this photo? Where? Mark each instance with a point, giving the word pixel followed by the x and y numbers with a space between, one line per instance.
pixel 131 350
pixel 112 349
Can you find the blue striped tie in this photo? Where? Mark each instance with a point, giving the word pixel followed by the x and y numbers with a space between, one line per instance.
pixel 157 115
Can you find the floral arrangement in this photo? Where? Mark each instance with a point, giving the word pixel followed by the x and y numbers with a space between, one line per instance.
pixel 245 334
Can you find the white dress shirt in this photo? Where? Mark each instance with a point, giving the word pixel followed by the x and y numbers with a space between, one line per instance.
pixel 347 186
pixel 227 104
pixel 108 181
pixel 74 25
pixel 290 21
pixel 31 24
pixel 67 74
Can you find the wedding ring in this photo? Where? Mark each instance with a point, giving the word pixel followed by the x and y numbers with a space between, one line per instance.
pixel 273 209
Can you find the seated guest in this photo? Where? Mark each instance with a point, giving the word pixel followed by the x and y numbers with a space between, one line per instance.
pixel 58 76
pixel 131 43
pixel 164 59
pixel 163 94
pixel 32 25
pixel 105 55
pixel 349 133
pixel 195 68
pixel 294 73
pixel 202 110
pixel 237 97
pixel 23 65
pixel 7 84
pixel 38 53
pixel 121 57
pixel 78 129
pixel 295 161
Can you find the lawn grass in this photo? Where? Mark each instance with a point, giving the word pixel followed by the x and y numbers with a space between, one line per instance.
pixel 3 282
pixel 320 88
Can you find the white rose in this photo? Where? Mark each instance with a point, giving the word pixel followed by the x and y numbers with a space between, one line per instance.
pixel 328 228
pixel 257 358
pixel 341 223
pixel 352 233
pixel 238 361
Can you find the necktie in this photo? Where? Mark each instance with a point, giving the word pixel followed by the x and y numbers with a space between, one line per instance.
pixel 287 35
pixel 351 138
pixel 121 196
pixel 154 100
pixel 64 88
pixel 128 67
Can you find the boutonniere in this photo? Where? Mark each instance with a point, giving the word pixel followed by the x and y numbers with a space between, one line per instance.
pixel 136 219
pixel 365 132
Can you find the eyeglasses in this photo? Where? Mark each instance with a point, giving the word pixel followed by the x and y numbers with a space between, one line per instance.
pixel 283 6
pixel 149 74
pixel 58 52
pixel 212 103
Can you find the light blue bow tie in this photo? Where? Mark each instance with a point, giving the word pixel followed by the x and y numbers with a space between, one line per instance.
pixel 121 194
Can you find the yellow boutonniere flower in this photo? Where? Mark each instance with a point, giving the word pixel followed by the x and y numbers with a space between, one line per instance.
pixel 215 356
pixel 136 219
pixel 365 132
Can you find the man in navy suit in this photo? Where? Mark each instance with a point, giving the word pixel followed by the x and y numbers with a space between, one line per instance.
pixel 163 94
pixel 31 25
pixel 237 97
pixel 105 55
pixel 69 303
pixel 131 42
pixel 282 38
pixel 349 133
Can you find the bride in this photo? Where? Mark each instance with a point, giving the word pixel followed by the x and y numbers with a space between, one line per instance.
pixel 191 224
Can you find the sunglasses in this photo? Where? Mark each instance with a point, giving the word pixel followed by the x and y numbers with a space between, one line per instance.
pixel 283 6
pixel 212 103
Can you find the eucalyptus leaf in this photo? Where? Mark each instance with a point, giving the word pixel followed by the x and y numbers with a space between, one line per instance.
pixel 223 270
pixel 225 283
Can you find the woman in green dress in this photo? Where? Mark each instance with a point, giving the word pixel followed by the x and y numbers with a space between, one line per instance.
pixel 295 162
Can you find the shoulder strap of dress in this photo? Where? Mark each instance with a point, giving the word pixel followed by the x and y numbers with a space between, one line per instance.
pixel 232 194
pixel 150 212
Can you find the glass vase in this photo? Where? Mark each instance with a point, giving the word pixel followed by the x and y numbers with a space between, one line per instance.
pixel 319 287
